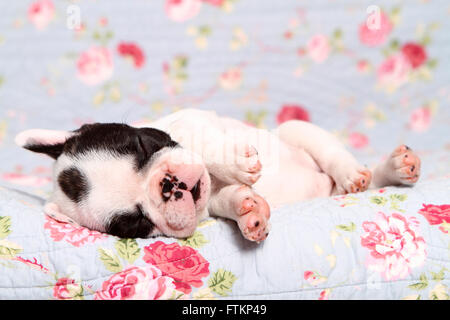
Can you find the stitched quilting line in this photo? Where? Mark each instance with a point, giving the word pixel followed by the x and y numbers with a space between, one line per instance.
pixel 72 247
pixel 214 260
pixel 173 273
pixel 271 293
pixel 169 262
pixel 155 265
pixel 335 287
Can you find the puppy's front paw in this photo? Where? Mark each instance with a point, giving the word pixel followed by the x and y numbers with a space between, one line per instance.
pixel 248 167
pixel 354 180
pixel 404 165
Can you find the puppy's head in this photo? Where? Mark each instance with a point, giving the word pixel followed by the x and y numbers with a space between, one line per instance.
pixel 125 181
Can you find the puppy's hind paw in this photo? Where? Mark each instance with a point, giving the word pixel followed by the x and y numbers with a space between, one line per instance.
pixel 357 180
pixel 405 165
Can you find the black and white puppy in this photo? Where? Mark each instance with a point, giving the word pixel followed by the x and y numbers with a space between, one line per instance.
pixel 121 180
pixel 138 182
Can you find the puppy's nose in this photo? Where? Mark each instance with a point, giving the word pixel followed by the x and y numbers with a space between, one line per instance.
pixel 189 174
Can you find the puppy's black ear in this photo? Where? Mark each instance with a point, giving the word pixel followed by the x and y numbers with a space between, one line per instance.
pixel 49 142
pixel 149 141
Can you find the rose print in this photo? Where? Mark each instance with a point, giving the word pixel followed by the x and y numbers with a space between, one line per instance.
pixel 358 140
pixel 132 51
pixel 375 35
pixel 40 13
pixel 415 54
pixel 182 10
pixel 95 65
pixel 231 79
pixel 182 263
pixel 437 215
pixel 136 283
pixel 325 294
pixel 318 48
pixel 394 244
pixel 393 72
pixel 76 236
pixel 216 3
pixel 314 278
pixel 66 288
pixel 292 112
pixel 26 180
pixel 363 66
pixel 420 119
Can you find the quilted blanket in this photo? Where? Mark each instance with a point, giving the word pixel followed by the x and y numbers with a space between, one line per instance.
pixel 376 75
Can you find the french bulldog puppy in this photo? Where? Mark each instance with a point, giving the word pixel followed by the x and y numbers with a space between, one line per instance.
pixel 163 177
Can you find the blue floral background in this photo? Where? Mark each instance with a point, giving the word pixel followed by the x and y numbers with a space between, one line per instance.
pixel 375 73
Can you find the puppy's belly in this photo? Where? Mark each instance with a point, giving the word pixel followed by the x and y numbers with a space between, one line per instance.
pixel 295 178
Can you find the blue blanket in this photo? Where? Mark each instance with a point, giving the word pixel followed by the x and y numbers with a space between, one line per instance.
pixel 374 76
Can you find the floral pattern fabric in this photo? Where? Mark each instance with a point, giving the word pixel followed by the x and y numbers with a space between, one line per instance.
pixel 376 76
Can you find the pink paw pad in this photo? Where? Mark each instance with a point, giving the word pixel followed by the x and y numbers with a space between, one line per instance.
pixel 406 164
pixel 248 164
pixel 254 214
pixel 361 182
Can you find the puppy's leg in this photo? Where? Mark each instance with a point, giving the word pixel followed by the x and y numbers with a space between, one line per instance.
pixel 329 153
pixel 52 209
pixel 241 204
pixel 401 167
pixel 226 157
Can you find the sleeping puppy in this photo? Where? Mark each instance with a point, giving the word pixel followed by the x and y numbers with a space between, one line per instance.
pixel 122 180
pixel 163 177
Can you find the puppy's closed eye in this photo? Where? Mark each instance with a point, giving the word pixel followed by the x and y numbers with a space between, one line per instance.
pixel 130 224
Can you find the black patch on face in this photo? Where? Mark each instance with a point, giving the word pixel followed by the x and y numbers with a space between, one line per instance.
pixel 52 150
pixel 130 224
pixel 195 191
pixel 120 139
pixel 74 184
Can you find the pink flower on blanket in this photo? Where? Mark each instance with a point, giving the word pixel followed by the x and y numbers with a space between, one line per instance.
pixel 182 263
pixel 393 72
pixel 415 53
pixel 216 3
pixel 66 288
pixel 318 48
pixel 358 140
pixel 76 236
pixel 136 283
pixel 95 65
pixel 26 179
pixel 182 10
pixel 394 244
pixel 292 112
pixel 231 79
pixel 132 51
pixel 437 215
pixel 375 31
pixel 325 294
pixel 40 13
pixel 314 278
pixel 420 119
